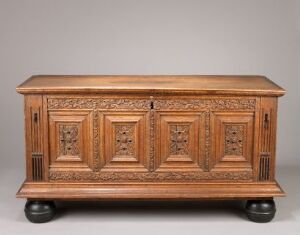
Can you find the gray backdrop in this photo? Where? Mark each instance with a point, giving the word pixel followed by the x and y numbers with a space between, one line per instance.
pixel 147 37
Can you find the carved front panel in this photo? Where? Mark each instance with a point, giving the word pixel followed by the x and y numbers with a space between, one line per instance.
pixel 178 141
pixel 124 140
pixel 71 135
pixel 151 139
pixel 232 142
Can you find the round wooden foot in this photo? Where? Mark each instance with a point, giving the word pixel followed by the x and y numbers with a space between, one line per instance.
pixel 260 211
pixel 39 211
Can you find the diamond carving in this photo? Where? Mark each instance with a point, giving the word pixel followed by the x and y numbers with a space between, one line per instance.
pixel 68 140
pixel 179 142
pixel 125 143
pixel 234 138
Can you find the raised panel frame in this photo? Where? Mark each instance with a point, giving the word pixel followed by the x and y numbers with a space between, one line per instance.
pixel 221 157
pixel 76 119
pixel 138 161
pixel 194 160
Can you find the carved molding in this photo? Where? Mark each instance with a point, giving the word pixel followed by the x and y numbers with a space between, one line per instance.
pixel 97 103
pixel 234 139
pixel 123 104
pixel 124 140
pixel 164 176
pixel 68 140
pixel 207 141
pixel 197 104
pixel 96 141
pixel 152 140
pixel 179 139
pixel 116 103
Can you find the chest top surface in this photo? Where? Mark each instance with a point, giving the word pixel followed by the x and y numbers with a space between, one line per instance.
pixel 181 84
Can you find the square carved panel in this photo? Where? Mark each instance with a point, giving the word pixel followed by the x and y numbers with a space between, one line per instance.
pixel 179 141
pixel 124 141
pixel 70 135
pixel 232 140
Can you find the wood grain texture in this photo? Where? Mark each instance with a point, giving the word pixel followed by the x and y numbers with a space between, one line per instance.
pixel 145 192
pixel 150 137
pixel 34 138
pixel 193 84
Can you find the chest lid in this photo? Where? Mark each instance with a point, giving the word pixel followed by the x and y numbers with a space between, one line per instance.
pixel 146 84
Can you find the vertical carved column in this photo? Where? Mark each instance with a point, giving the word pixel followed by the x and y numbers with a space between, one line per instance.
pixel 34 135
pixel 96 140
pixel 267 141
pixel 207 141
pixel 152 138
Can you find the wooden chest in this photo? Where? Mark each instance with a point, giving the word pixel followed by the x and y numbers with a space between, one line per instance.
pixel 150 137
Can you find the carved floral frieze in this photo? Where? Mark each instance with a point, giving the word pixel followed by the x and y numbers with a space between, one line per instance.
pixel 198 104
pixel 97 103
pixel 119 103
pixel 153 176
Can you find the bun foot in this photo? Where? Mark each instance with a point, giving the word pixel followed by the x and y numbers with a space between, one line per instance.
pixel 260 211
pixel 39 211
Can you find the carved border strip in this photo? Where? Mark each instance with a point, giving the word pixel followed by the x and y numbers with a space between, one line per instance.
pixel 152 141
pixel 211 104
pixel 178 104
pixel 164 176
pixel 97 103
pixel 207 140
pixel 96 141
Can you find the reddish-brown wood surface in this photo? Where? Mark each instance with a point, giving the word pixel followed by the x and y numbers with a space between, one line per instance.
pixel 150 137
pixel 255 85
